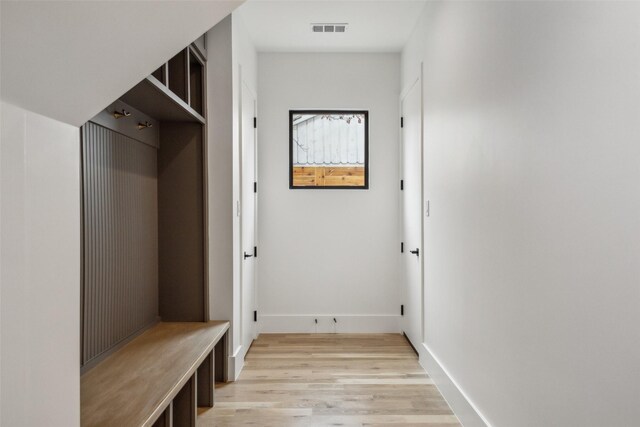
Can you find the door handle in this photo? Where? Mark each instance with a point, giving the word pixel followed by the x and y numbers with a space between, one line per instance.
pixel 246 255
pixel 416 252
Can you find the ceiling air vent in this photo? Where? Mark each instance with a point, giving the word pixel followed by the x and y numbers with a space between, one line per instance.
pixel 329 28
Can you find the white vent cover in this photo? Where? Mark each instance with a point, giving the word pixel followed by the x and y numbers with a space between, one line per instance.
pixel 329 27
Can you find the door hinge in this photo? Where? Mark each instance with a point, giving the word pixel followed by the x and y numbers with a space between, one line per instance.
pixel 255 252
pixel 401 247
pixel 255 122
pixel 255 187
pixel 401 122
pixel 255 315
pixel 402 310
pixel 402 184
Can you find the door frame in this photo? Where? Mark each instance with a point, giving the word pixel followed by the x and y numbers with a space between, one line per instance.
pixel 244 86
pixel 418 80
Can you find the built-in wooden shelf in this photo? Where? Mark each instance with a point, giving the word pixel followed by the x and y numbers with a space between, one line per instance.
pixel 148 146
pixel 156 100
pixel 175 91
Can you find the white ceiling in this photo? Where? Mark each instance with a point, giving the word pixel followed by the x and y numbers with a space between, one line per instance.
pixel 374 25
pixel 70 59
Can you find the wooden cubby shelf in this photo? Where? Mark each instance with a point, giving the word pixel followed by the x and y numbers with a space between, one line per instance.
pixel 196 81
pixel 155 99
pixel 178 75
pixel 175 91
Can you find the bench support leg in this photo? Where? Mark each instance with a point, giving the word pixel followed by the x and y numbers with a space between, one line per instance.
pixel 222 358
pixel 185 411
pixel 206 382
pixel 166 419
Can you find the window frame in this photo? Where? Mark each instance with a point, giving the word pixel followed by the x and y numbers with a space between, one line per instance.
pixel 365 113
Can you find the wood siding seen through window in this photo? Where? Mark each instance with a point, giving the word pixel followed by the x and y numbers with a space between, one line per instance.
pixel 328 176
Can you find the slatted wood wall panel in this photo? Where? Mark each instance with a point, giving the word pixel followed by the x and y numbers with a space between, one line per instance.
pixel 120 239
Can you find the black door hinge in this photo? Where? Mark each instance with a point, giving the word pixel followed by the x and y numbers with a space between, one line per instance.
pixel 255 252
pixel 401 122
pixel 255 315
pixel 255 187
pixel 401 247
pixel 402 184
pixel 255 122
pixel 402 310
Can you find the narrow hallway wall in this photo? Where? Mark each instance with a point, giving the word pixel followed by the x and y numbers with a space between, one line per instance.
pixel 232 58
pixel 328 253
pixel 532 169
pixel 40 266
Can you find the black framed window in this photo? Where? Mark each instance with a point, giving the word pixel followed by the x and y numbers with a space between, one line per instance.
pixel 328 149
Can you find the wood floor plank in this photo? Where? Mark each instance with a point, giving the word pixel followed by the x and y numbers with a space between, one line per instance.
pixel 329 379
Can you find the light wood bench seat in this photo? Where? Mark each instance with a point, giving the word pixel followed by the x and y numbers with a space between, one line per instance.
pixel 157 379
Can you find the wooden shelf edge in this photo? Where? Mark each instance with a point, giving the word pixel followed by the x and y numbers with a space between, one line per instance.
pixel 158 85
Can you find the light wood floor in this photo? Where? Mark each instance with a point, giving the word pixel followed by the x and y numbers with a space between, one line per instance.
pixel 329 379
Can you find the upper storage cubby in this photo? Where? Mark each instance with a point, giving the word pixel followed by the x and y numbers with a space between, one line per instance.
pixel 196 81
pixel 161 74
pixel 178 83
pixel 175 91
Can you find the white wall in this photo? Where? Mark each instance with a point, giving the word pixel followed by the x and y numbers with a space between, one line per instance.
pixel 245 71
pixel 232 58
pixel 40 270
pixel 532 165
pixel 219 172
pixel 328 253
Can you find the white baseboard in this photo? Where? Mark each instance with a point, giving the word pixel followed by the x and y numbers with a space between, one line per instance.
pixel 236 363
pixel 460 404
pixel 345 324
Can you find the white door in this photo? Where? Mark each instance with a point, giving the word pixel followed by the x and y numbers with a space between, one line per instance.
pixel 248 215
pixel 411 203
